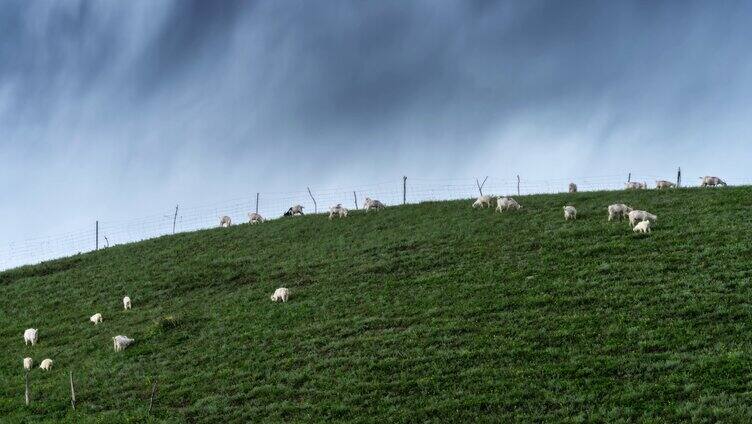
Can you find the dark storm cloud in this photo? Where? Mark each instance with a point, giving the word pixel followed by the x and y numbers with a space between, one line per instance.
pixel 117 108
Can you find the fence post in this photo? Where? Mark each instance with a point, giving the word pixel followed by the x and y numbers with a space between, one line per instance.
pixel 72 392
pixel 315 207
pixel 518 184
pixel 96 244
pixel 356 200
pixel 175 219
pixel 257 196
pixel 404 190
pixel 678 178
pixel 153 392
pixel 480 186
pixel 27 388
pixel 629 178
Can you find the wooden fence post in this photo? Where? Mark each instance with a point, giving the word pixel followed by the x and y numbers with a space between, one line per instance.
pixel 175 219
pixel 629 178
pixel 356 200
pixel 678 178
pixel 72 392
pixel 153 392
pixel 315 206
pixel 480 186
pixel 96 244
pixel 404 190
pixel 27 388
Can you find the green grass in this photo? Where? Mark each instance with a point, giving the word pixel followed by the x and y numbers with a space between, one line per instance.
pixel 422 313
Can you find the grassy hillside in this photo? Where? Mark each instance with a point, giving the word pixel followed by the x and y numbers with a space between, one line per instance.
pixel 433 312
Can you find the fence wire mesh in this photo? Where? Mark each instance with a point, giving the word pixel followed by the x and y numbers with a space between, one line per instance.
pixel 273 204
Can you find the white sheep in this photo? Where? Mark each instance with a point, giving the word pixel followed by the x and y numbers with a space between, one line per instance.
pixel 28 363
pixel 30 336
pixel 126 303
pixel 638 216
pixel 572 188
pixel 338 210
pixel 294 211
pixel 506 203
pixel 46 364
pixel 96 318
pixel 372 204
pixel 120 343
pixel 708 181
pixel 281 294
pixel 642 227
pixel 482 202
pixel 570 213
pixel 661 184
pixel 225 221
pixel 618 210
pixel 635 185
pixel 255 218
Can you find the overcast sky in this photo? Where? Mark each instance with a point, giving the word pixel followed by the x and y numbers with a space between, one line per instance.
pixel 116 109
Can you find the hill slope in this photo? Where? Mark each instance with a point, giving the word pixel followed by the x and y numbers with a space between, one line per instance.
pixel 431 312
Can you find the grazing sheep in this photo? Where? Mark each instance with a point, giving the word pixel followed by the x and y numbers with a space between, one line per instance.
pixel 126 303
pixel 30 336
pixel 482 201
pixel 638 216
pixel 96 318
pixel 660 184
pixel 618 210
pixel 255 218
pixel 572 188
pixel 708 181
pixel 28 363
pixel 634 185
pixel 120 343
pixel 281 294
pixel 295 210
pixel 570 213
pixel 372 204
pixel 506 203
pixel 225 221
pixel 46 364
pixel 642 227
pixel 338 210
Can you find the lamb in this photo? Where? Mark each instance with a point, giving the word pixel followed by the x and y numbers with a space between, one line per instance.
pixel 30 336
pixel 295 210
pixel 572 188
pixel 618 210
pixel 570 213
pixel 46 364
pixel 96 318
pixel 338 210
pixel 120 343
pixel 482 201
pixel 642 227
pixel 225 221
pixel 255 218
pixel 372 204
pixel 281 294
pixel 708 181
pixel 126 303
pixel 661 184
pixel 638 216
pixel 506 203
pixel 634 185
pixel 28 363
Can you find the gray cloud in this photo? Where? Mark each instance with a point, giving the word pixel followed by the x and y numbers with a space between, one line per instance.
pixel 116 109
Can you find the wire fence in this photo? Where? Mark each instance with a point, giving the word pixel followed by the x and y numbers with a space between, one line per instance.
pixel 273 205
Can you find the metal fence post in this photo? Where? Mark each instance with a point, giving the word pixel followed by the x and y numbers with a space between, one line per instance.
pixel 404 190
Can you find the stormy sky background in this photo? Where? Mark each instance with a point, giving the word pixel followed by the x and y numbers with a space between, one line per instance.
pixel 119 109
